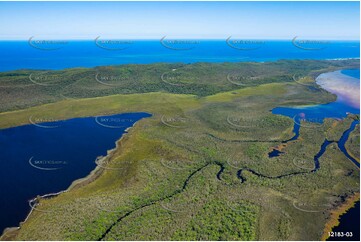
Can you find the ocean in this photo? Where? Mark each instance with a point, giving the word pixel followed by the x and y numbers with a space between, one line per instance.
pixel 33 54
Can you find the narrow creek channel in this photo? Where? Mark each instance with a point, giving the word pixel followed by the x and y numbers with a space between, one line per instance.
pixel 346 85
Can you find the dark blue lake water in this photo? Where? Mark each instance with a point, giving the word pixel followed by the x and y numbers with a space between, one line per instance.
pixel 349 222
pixel 20 54
pixel 42 158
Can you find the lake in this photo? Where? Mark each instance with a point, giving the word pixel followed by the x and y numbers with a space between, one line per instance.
pixel 46 157
pixel 349 222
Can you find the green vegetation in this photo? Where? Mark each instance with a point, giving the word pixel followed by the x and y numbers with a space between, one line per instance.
pixel 27 88
pixel 216 221
pixel 353 143
pixel 173 185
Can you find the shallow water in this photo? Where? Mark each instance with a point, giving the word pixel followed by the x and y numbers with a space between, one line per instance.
pixel 345 103
pixel 346 85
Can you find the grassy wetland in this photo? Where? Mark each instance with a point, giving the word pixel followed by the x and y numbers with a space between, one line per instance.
pixel 198 169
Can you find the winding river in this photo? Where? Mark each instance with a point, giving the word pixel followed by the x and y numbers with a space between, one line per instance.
pixel 346 85
pixel 47 155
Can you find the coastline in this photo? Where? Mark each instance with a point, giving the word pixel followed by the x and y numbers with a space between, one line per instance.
pixel 93 175
pixel 345 87
pixel 10 232
pixel 335 215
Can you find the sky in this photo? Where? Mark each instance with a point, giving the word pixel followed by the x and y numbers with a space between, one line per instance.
pixel 200 20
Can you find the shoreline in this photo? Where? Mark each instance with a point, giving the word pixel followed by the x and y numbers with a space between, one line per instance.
pixel 345 87
pixel 10 232
pixel 350 153
pixel 184 62
pixel 335 215
pixel 353 156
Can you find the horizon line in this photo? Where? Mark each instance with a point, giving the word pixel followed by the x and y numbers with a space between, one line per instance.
pixel 204 39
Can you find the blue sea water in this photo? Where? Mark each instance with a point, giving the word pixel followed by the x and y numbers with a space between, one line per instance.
pixel 42 158
pixel 16 55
